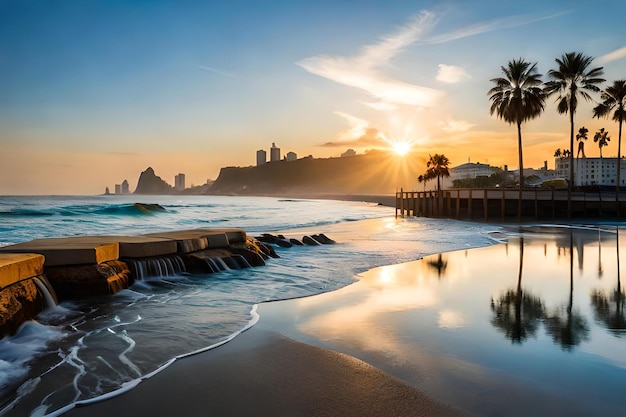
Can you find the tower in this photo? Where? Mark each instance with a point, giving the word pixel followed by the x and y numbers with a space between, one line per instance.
pixel 261 157
pixel 179 182
pixel 274 153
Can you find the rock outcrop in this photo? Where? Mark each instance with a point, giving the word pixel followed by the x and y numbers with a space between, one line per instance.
pixel 150 183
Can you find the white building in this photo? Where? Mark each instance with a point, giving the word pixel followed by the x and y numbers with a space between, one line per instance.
pixel 464 172
pixel 471 171
pixel 291 156
pixel 125 188
pixel 274 153
pixel 592 171
pixel 261 157
pixel 179 182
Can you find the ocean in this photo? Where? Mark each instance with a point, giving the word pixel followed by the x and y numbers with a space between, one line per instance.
pixel 85 349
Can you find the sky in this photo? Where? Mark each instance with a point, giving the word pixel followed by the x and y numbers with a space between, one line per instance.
pixel 94 92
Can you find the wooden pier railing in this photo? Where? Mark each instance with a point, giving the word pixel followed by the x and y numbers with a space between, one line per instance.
pixel 502 204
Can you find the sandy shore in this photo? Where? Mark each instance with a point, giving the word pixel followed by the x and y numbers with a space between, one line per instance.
pixel 262 373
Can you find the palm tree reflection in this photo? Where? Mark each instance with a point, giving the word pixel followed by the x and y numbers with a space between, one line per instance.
pixel 567 327
pixel 609 309
pixel 517 313
pixel 440 265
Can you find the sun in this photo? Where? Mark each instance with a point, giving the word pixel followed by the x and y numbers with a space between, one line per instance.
pixel 401 148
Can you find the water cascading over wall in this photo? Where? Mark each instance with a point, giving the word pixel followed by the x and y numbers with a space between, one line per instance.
pixel 156 267
pixel 23 300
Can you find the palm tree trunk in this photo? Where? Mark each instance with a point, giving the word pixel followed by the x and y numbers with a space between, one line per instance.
pixel 571 164
pixel 619 167
pixel 521 171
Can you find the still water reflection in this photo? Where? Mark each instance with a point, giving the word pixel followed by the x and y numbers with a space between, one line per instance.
pixel 534 326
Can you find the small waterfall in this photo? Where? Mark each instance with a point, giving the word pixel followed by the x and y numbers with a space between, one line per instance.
pixel 157 267
pixel 46 290
pixel 237 262
pixel 216 264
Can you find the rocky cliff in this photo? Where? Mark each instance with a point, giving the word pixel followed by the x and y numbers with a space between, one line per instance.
pixel 372 173
pixel 150 183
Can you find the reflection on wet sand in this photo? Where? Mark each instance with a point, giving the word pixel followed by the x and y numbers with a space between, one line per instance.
pixel 521 323
pixel 609 309
pixel 517 312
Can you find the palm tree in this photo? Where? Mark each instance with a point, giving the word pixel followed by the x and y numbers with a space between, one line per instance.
pixel 602 139
pixel 581 136
pixel 557 153
pixel 437 167
pixel 518 97
pixel 571 80
pixel 422 179
pixel 614 98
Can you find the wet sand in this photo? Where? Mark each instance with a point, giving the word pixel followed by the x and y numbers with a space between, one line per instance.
pixel 262 373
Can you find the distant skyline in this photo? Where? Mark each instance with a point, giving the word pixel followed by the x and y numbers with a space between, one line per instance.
pixel 94 92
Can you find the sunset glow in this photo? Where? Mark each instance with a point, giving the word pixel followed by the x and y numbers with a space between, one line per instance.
pixel 401 148
pixel 162 86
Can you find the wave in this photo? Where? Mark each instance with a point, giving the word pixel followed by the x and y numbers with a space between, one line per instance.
pixel 135 209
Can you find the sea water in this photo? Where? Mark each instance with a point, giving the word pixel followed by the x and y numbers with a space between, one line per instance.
pixel 89 348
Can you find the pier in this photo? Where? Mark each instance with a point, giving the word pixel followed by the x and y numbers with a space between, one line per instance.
pixel 502 204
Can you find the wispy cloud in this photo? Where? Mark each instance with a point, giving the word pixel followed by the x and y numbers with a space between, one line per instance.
pixel 484 27
pixel 456 126
pixel 452 74
pixel 362 71
pixel 359 133
pixel 216 71
pixel 613 56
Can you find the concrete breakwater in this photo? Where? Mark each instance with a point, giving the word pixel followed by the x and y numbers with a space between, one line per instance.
pixel 33 274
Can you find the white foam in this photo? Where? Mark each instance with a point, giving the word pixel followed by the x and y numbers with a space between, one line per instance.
pixel 127 386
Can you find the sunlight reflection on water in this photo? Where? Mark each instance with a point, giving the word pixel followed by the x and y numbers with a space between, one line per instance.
pixel 540 317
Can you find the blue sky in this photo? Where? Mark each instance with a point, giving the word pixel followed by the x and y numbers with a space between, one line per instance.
pixel 94 92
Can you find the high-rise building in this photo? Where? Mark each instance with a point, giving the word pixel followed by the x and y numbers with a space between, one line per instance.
pixel 291 156
pixel 274 153
pixel 118 189
pixel 261 157
pixel 125 189
pixel 179 182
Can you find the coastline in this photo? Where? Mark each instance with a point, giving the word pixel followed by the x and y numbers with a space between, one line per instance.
pixel 277 371
pixel 360 351
pixel 261 372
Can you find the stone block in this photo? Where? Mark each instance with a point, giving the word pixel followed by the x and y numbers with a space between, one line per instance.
pixel 141 246
pixel 75 250
pixel 16 267
pixel 19 303
pixel 186 242
pixel 233 235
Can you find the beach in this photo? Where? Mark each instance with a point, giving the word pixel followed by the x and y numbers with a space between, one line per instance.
pixel 273 369
pixel 263 373
pixel 413 339
pixel 410 316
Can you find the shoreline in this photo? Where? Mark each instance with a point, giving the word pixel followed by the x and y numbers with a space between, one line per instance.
pixel 404 398
pixel 262 372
